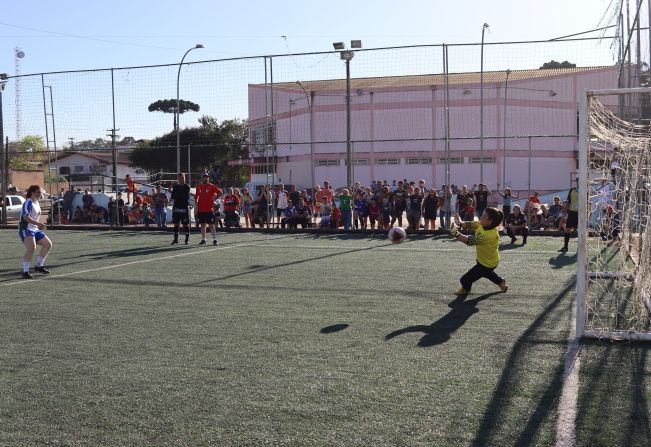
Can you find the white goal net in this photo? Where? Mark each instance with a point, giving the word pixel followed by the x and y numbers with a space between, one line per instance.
pixel 614 273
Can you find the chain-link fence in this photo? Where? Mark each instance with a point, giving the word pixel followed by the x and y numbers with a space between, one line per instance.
pixel 501 114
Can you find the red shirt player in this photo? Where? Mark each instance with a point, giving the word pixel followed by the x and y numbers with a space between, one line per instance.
pixel 131 188
pixel 205 199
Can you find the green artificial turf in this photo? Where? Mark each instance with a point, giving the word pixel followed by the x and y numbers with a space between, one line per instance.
pixel 280 339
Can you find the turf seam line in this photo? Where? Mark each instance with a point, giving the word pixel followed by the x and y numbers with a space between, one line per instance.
pixel 567 405
pixel 141 261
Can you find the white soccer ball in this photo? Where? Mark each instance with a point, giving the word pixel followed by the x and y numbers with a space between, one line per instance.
pixel 397 235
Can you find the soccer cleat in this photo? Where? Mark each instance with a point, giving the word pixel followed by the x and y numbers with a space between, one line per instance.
pixel 214 242
pixel 462 291
pixel 175 242
pixel 203 242
pixel 41 270
pixel 513 240
pixel 524 242
pixel 26 275
pixel 187 238
pixel 503 287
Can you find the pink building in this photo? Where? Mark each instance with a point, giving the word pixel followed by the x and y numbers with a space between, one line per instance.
pixel 399 128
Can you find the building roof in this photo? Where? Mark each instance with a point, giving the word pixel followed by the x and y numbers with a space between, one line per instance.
pixel 438 79
pixel 104 157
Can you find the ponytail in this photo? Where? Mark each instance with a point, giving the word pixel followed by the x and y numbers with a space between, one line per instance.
pixel 496 216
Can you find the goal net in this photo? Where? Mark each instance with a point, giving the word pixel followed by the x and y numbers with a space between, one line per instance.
pixel 614 270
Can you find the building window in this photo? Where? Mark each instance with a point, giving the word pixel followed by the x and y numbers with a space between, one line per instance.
pixel 387 161
pixel 79 169
pixel 451 160
pixel 477 160
pixel 64 170
pixel 327 162
pixel 418 161
pixel 264 169
pixel 98 169
pixel 262 135
pixel 358 162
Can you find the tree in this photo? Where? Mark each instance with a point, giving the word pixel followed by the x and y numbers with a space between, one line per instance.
pixel 553 64
pixel 211 143
pixel 29 152
pixel 169 106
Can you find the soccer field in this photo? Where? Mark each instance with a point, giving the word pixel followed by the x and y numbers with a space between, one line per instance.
pixel 303 339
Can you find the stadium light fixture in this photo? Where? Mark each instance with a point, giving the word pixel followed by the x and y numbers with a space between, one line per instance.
pixel 338 46
pixel 3 76
pixel 355 44
pixel 178 115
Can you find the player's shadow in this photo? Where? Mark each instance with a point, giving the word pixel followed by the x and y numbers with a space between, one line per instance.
pixel 441 330
pixel 562 260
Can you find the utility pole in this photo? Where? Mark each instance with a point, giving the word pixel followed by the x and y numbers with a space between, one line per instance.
pixel 114 136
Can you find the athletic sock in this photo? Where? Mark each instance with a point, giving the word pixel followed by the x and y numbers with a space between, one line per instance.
pixel 567 239
pixel 40 260
pixel 26 265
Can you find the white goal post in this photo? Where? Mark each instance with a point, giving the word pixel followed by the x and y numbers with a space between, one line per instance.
pixel 614 235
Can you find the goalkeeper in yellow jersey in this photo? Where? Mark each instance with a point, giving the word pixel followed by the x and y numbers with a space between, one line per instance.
pixel 486 239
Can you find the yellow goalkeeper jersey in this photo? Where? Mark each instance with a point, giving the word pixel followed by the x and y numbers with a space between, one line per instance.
pixel 486 243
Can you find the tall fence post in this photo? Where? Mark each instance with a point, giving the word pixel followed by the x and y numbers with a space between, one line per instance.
pixel 5 163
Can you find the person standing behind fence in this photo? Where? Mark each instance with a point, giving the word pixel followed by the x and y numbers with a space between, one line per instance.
pixel 180 214
pixel 481 199
pixel 132 189
pixel 445 207
pixel 346 208
pixel 430 206
pixel 160 202
pixel 507 199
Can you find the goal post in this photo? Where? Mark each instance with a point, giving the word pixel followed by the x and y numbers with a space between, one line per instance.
pixel 614 236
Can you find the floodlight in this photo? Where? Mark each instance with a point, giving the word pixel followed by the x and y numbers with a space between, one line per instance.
pixel 355 44
pixel 338 45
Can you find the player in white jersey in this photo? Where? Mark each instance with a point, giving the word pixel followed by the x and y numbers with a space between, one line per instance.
pixel 31 232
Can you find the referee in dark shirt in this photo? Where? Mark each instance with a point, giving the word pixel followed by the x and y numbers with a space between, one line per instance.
pixel 180 203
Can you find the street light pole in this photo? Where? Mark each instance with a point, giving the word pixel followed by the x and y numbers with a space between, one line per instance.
pixel 309 104
pixel 3 166
pixel 506 86
pixel 481 108
pixel 178 101
pixel 349 151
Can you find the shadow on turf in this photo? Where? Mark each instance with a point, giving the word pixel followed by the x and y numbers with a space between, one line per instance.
pixel 562 260
pixel 616 378
pixel 505 396
pixel 441 330
pixel 333 328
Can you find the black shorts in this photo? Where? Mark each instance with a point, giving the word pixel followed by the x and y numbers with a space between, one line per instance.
pixel 572 219
pixel 206 217
pixel 180 216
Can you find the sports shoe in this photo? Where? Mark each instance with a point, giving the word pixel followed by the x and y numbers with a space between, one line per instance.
pixel 187 238
pixel 214 242
pixel 203 242
pixel 513 240
pixel 524 242
pixel 563 250
pixel 503 287
pixel 462 291
pixel 41 269
pixel 175 242
pixel 26 275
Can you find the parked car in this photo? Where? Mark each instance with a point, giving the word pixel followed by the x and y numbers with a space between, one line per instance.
pixel 14 205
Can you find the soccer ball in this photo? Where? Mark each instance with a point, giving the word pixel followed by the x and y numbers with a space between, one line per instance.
pixel 397 235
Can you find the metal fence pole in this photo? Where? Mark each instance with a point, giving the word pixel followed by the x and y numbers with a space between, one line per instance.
pixel 529 184
pixel 5 163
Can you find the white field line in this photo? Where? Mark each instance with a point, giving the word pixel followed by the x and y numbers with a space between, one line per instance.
pixel 141 261
pixel 566 422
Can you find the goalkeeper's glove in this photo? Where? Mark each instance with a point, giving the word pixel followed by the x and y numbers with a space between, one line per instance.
pixel 453 231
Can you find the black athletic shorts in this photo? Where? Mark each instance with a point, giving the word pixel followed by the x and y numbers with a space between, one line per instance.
pixel 180 216
pixel 572 219
pixel 206 217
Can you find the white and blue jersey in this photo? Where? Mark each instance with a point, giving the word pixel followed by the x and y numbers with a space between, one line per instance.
pixel 26 229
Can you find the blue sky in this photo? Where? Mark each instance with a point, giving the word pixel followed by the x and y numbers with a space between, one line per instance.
pixel 138 32
pixel 75 35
